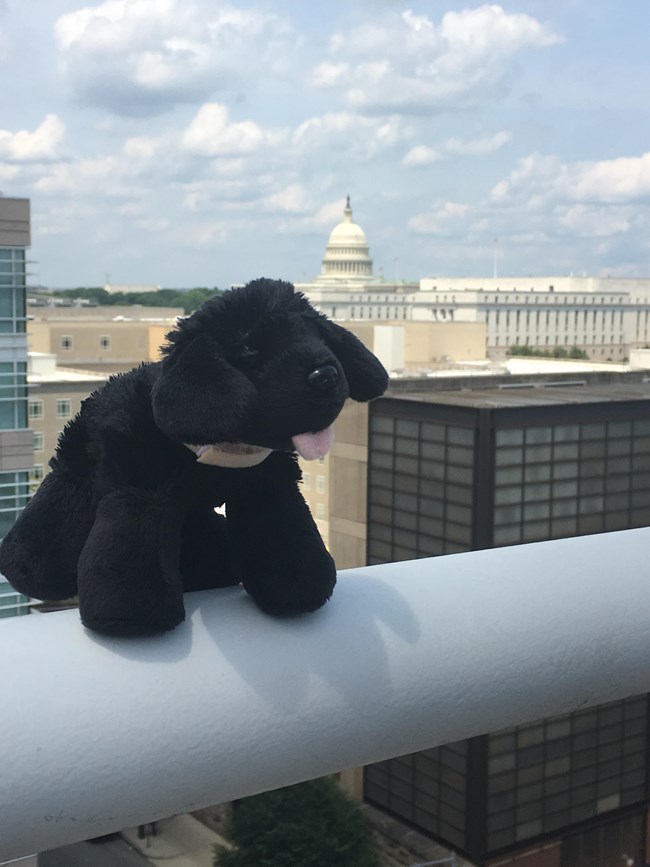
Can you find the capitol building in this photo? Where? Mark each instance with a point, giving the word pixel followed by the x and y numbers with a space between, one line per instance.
pixel 606 317
pixel 347 256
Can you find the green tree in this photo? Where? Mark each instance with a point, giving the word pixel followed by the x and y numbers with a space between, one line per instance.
pixel 312 824
pixel 189 299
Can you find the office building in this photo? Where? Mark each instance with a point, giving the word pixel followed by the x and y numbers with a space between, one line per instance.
pixel 456 471
pixel 16 449
pixel 101 339
pixel 55 396
pixel 605 317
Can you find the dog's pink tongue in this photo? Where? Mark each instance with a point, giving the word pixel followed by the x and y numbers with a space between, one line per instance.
pixel 311 446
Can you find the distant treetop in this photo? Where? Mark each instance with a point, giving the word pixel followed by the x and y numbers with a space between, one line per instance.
pixel 188 299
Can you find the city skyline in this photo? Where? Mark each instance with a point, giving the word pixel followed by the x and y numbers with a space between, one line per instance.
pixel 209 143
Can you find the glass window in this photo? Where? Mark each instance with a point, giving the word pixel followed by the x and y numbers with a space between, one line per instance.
pixel 512 437
pixel 38 441
pixel 35 409
pixel 63 409
pixel 66 341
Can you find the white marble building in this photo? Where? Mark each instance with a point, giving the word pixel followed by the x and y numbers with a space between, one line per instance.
pixel 606 317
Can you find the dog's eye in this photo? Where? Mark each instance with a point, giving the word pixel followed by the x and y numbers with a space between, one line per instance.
pixel 248 355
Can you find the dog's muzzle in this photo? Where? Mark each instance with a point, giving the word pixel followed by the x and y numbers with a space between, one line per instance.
pixel 323 377
pixel 310 447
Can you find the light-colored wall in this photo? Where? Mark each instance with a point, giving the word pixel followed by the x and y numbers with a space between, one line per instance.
pixel 427 342
pixel 345 475
pixel 348 487
pixel 52 423
pixel 413 345
pixel 315 489
pixel 130 342
pixel 157 334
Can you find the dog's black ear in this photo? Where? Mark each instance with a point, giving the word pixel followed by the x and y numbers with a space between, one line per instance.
pixel 366 376
pixel 199 391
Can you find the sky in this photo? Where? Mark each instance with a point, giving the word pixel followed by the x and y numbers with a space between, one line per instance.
pixel 204 143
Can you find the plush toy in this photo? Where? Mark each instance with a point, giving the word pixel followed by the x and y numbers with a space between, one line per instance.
pixel 126 519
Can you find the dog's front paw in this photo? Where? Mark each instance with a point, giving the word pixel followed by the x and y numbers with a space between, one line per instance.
pixel 132 627
pixel 288 592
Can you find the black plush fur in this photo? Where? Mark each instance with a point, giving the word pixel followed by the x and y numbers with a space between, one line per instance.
pixel 126 517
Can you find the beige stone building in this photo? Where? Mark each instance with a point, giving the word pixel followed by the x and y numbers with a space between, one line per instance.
pixel 100 338
pixel 414 346
pixel 55 396
pixel 335 488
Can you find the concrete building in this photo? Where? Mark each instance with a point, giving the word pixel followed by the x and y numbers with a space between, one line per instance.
pixel 606 317
pixel 55 396
pixel 16 449
pixel 335 487
pixel 100 338
pixel 460 470
pixel 421 346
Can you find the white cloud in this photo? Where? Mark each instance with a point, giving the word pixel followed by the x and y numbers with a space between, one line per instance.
pixel 618 180
pixel 447 219
pixel 347 133
pixel 535 180
pixel 142 57
pixel 599 222
pixel 293 199
pixel 423 155
pixel 539 178
pixel 111 175
pixel 329 74
pixel 478 146
pixel 211 134
pixel 321 220
pixel 38 146
pixel 407 63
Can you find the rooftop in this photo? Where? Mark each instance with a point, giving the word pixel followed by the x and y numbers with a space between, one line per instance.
pixel 43 368
pixel 532 394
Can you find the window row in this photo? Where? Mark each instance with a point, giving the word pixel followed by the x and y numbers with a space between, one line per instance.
pixel 66 341
pixel 36 409
pixel 562 433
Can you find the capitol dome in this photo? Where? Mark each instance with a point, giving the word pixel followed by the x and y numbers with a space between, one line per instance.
pixel 347 255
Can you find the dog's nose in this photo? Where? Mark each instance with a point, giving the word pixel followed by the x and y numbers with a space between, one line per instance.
pixel 323 376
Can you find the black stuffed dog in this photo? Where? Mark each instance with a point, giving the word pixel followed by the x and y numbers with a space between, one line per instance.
pixel 126 517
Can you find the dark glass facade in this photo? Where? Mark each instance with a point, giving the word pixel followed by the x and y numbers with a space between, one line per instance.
pixel 565 770
pixel 470 473
pixel 427 789
pixel 420 497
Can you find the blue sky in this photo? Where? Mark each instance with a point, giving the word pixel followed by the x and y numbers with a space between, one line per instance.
pixel 195 142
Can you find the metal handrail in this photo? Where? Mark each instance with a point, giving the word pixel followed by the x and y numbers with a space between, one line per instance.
pixel 101 734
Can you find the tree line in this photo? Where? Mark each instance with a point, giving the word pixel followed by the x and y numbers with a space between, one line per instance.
pixel 554 352
pixel 188 299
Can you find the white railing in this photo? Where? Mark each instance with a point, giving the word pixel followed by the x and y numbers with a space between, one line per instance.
pixel 99 734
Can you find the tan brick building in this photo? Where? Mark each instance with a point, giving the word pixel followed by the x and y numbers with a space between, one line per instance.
pixel 100 338
pixel 55 396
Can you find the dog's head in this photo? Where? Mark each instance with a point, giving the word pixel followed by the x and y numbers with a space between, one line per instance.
pixel 259 366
